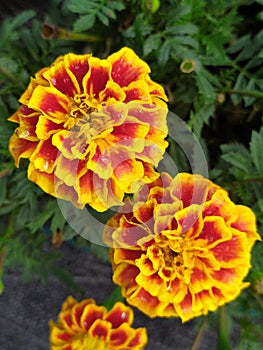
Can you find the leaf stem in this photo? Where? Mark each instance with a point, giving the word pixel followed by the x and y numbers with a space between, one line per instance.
pixel 258 178
pixel 223 340
pixel 5 172
pixel 49 31
pixel 253 93
pixel 258 299
pixel 200 335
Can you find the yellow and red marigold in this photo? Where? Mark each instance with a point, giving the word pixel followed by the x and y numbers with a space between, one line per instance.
pixel 87 326
pixel 181 247
pixel 91 128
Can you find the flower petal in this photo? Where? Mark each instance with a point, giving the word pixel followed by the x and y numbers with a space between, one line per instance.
pixel 118 315
pixel 127 67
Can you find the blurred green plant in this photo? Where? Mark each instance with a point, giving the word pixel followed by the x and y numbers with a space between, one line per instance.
pixel 208 55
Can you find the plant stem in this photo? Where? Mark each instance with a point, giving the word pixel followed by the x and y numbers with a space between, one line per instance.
pixel 49 31
pixel 251 179
pixel 258 299
pixel 253 93
pixel 223 340
pixel 5 172
pixel 200 335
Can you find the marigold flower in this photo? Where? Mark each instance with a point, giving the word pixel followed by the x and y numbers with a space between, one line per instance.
pixel 91 128
pixel 87 326
pixel 181 247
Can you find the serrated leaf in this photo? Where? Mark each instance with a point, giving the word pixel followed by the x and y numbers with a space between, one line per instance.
pixel 151 44
pixel 103 18
pixel 108 12
pixel 84 23
pixel 238 156
pixel 200 117
pixel 185 41
pixel 23 18
pixel 249 99
pixel 205 88
pixel 29 43
pixel 240 84
pixel 117 5
pixel 40 220
pixel 164 53
pixel 182 29
pixel 58 221
pixel 239 44
pixel 82 7
pixel 256 148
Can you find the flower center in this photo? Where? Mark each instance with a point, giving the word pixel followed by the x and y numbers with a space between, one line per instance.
pixel 88 342
pixel 170 256
pixel 82 105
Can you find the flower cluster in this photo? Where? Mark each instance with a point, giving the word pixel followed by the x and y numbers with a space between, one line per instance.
pixel 94 130
pixel 87 326
pixel 181 247
pixel 91 128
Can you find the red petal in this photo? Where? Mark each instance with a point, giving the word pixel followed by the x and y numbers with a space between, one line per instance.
pixel 229 250
pixel 62 80
pixel 90 314
pixel 119 314
pixel 127 67
pixel 78 65
pixel 96 79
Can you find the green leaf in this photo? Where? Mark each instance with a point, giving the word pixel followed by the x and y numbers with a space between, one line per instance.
pixel 3 189
pixel 103 18
pixel 241 84
pixel 113 298
pixel 40 220
pixel 82 7
pixel 117 5
pixel 238 156
pixel 84 23
pixel 185 41
pixel 249 100
pixel 164 53
pixel 108 12
pixel 152 43
pixel 256 149
pixel 58 221
pixel 22 18
pixel 182 29
pixel 239 44
pixel 205 88
pixel 200 116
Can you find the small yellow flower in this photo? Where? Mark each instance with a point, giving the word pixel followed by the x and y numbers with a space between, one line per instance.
pixel 181 247
pixel 87 326
pixel 91 128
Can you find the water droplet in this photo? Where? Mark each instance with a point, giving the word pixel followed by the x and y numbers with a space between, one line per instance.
pixel 22 133
pixel 45 166
pixel 54 81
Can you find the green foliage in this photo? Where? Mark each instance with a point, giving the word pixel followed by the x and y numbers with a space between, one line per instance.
pixel 89 11
pixel 208 55
pixel 246 171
